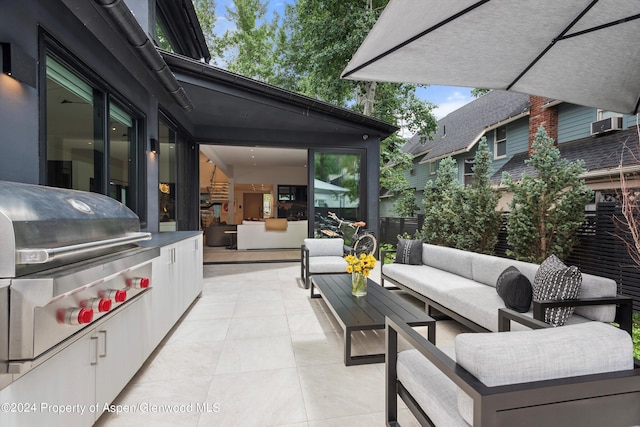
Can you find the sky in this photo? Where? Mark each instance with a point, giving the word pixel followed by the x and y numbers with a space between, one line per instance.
pixel 447 98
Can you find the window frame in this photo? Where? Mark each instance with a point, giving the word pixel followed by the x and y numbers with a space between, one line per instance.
pixel 107 95
pixel 497 142
pixel 470 162
pixel 433 167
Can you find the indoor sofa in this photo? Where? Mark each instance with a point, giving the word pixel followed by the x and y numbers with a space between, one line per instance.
pixel 272 233
pixel 462 285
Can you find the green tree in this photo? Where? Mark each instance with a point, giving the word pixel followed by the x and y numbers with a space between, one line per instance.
pixel 205 10
pixel 404 202
pixel 479 219
pixel 477 92
pixel 316 42
pixel 442 201
pixel 547 208
pixel 249 49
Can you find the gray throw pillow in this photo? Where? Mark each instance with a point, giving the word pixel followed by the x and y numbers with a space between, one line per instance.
pixel 515 290
pixel 409 251
pixel 556 282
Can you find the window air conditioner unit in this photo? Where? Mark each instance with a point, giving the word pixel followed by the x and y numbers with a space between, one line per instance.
pixel 606 125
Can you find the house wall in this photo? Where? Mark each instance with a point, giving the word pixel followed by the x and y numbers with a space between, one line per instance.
pixel 23 140
pixel 630 121
pixel 386 207
pixel 574 121
pixel 423 176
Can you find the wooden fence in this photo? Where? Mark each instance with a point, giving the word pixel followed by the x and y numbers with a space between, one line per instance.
pixel 600 249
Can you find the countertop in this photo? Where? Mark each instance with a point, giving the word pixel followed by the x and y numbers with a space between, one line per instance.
pixel 168 238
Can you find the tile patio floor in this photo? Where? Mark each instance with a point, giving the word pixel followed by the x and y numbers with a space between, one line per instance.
pixel 255 350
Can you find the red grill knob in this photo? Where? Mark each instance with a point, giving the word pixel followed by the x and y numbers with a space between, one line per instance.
pixel 100 304
pixel 120 296
pixel 104 305
pixel 117 295
pixel 85 315
pixel 138 282
pixel 75 316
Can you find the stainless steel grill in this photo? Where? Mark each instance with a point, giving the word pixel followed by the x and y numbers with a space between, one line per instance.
pixel 67 258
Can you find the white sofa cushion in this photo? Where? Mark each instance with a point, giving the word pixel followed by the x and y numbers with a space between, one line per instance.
pixel 519 357
pixel 324 247
pixel 327 264
pixel 448 259
pixel 434 392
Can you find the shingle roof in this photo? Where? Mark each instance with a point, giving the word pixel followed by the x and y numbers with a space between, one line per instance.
pixel 598 153
pixel 461 127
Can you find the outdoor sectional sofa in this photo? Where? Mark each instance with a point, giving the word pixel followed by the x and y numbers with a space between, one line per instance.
pixel 461 285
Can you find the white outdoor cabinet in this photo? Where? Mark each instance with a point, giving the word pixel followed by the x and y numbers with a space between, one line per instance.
pixel 176 283
pixel 93 370
pixel 79 379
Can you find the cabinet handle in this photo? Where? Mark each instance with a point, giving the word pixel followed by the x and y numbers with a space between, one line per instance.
pixel 96 350
pixel 196 244
pixel 104 332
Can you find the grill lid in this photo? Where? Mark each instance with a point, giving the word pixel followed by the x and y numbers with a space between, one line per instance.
pixel 43 227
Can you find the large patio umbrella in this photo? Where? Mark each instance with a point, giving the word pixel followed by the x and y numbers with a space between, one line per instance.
pixel 585 52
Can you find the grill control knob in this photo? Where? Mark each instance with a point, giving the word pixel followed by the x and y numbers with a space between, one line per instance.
pixel 104 305
pixel 99 304
pixel 138 282
pixel 117 295
pixel 76 316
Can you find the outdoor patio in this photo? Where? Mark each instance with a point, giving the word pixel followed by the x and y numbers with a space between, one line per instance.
pixel 255 350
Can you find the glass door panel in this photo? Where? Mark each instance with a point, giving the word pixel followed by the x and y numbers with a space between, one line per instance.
pixel 336 187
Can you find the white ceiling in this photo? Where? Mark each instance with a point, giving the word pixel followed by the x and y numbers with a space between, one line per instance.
pixel 228 157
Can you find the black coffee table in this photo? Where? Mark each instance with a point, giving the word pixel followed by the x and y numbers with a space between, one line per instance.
pixel 365 313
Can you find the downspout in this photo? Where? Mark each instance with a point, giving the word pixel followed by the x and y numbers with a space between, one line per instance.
pixel 127 24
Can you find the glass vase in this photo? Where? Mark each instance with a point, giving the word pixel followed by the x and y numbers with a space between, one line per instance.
pixel 358 284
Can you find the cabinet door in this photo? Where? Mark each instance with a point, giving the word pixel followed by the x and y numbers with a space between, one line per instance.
pixel 66 382
pixel 164 306
pixel 190 268
pixel 120 350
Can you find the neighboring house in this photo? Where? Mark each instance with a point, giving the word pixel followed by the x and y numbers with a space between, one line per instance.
pixel 509 121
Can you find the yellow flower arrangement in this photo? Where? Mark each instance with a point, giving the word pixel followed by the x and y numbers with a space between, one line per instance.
pixel 362 264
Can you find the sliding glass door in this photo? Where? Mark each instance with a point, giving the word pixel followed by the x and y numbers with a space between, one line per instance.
pixel 337 186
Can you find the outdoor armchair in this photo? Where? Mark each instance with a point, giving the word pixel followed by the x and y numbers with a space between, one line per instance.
pixel 581 374
pixel 321 256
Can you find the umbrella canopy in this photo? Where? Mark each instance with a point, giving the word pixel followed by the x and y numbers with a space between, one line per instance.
pixel 585 52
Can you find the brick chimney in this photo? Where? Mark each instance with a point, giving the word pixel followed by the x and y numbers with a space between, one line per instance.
pixel 542 116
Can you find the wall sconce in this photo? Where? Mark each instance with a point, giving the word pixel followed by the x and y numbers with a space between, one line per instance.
pixel 17 64
pixel 365 137
pixel 154 146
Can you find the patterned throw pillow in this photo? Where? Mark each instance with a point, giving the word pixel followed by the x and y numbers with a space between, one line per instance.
pixel 515 290
pixel 557 282
pixel 409 251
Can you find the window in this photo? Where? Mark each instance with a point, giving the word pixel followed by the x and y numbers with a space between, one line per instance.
pixel 433 167
pixel 167 174
pixel 91 140
pixel 500 143
pixel 468 171
pixel 292 201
